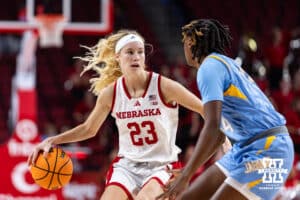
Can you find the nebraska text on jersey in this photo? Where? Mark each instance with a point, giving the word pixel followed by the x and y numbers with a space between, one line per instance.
pixel 138 113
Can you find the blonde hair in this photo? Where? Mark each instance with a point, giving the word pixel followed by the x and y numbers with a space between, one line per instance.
pixel 101 59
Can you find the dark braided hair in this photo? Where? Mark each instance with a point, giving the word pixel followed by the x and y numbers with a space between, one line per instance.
pixel 208 35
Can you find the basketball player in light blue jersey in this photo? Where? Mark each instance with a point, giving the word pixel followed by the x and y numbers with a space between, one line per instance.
pixel 262 151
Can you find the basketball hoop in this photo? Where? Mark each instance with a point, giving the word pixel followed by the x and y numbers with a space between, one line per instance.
pixel 50 27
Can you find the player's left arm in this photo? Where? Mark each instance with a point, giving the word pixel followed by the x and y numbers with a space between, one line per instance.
pixel 211 135
pixel 174 91
pixel 212 92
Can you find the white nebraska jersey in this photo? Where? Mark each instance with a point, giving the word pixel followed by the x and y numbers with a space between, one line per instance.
pixel 147 125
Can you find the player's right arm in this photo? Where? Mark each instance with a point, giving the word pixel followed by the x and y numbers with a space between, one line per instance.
pixel 83 131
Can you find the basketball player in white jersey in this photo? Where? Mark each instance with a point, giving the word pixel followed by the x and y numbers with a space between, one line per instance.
pixel 145 106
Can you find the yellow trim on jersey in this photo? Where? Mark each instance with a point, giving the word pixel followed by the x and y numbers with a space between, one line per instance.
pixel 220 59
pixel 234 92
pixel 254 183
pixel 269 141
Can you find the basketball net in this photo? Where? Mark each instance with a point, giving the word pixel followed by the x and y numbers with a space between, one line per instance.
pixel 50 28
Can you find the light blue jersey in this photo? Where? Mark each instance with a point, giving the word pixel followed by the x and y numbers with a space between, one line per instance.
pixel 258 163
pixel 246 110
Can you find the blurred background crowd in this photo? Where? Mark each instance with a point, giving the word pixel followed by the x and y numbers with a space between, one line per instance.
pixel 266 41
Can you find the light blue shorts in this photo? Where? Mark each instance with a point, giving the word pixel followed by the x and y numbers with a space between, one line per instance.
pixel 259 169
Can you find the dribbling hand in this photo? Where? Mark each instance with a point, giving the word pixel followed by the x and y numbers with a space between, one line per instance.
pixel 174 187
pixel 44 146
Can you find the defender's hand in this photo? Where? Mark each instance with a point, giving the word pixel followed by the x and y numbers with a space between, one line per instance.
pixel 175 186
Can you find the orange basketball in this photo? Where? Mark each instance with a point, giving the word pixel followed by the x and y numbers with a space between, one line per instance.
pixel 54 171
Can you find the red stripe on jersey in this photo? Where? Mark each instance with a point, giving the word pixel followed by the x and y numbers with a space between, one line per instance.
pixel 148 84
pixel 161 95
pixel 111 169
pixel 114 97
pixel 126 89
pixel 176 165
pixel 123 188
pixel 154 178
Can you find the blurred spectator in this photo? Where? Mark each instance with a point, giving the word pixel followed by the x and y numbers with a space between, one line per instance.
pixel 291 189
pixel 248 57
pixel 292 61
pixel 49 130
pixel 296 83
pixel 293 122
pixel 9 44
pixel 247 53
pixel 76 84
pixel 77 166
pixel 165 71
pixel 189 128
pixel 271 99
pixel 178 73
pixel 192 81
pixel 180 70
pixel 83 108
pixel 263 84
pixel 275 53
pixel 284 95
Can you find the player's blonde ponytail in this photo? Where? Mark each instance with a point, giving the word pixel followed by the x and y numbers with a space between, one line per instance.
pixel 101 58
